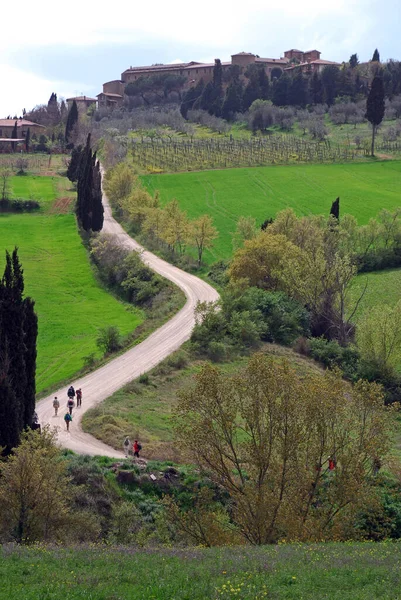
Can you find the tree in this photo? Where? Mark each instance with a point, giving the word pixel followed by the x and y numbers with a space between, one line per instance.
pixel 376 56
pixel 280 90
pixel 74 164
pixel 89 207
pixel 34 492
pixel 5 175
pixel 233 101
pixel 190 97
pixel 297 93
pixel 119 182
pixel 335 209
pixel 18 333
pixel 266 436
pixel 202 232
pixel 246 230
pixel 375 107
pixel 379 339
pixel 28 139
pixel 330 75
pixel 353 61
pixel 316 88
pixel 72 120
pixel 14 136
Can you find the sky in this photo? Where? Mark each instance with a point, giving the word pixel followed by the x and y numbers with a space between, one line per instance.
pixel 74 47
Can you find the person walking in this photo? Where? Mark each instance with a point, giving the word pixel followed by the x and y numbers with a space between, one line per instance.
pixel 126 446
pixel 70 404
pixel 79 397
pixel 68 419
pixel 137 448
pixel 71 392
pixel 56 405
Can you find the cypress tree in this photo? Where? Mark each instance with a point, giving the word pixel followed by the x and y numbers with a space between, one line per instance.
pixel 217 102
pixel 14 136
pixel 18 333
pixel 31 334
pixel 233 101
pixel 375 107
pixel 98 210
pixel 316 89
pixel 72 119
pixel 280 91
pixel 297 95
pixel 27 139
pixel 74 164
pixel 376 56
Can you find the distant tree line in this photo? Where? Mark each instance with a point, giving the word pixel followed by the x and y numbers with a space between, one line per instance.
pixel 350 81
pixel 18 333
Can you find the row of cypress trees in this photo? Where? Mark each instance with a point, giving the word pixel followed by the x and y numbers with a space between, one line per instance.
pixel 84 169
pixel 18 334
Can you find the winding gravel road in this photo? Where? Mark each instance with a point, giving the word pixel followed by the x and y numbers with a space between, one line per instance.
pixel 103 382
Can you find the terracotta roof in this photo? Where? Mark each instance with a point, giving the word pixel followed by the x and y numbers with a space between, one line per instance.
pixel 243 54
pixel 280 61
pixel 110 94
pixel 20 123
pixel 159 67
pixel 83 98
pixel 307 51
pixel 294 50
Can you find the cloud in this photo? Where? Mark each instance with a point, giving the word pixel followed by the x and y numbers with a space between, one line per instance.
pixel 25 90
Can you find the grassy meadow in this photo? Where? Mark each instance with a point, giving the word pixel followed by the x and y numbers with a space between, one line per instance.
pixel 364 189
pixel 356 571
pixel 70 304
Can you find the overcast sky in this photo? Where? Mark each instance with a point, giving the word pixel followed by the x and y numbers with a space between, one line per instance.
pixel 71 48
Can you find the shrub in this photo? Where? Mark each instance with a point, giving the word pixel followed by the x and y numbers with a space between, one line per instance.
pixel 331 354
pixel 178 360
pixel 144 379
pixel 109 339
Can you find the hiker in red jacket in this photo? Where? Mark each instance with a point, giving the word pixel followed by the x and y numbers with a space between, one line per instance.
pixel 136 448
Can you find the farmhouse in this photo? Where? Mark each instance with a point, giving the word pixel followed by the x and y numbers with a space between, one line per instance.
pixel 193 72
pixel 82 102
pixel 7 127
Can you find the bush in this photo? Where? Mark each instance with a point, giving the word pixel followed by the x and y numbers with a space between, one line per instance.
pixel 144 379
pixel 109 339
pixel 331 354
pixel 178 360
pixel 377 260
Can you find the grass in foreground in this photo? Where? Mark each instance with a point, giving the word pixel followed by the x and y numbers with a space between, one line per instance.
pixel 364 189
pixel 70 304
pixel 144 410
pixel 342 571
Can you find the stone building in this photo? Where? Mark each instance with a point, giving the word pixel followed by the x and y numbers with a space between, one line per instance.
pixel 83 103
pixel 7 126
pixel 113 91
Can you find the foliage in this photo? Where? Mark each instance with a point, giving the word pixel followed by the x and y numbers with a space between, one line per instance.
pixel 266 436
pixel 72 120
pixel 34 492
pixel 379 338
pixel 332 355
pixel 89 207
pixel 18 334
pixel 375 107
pixel 109 339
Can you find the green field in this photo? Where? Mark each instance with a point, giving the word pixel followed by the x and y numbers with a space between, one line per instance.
pixel 70 304
pixel 364 188
pixel 348 571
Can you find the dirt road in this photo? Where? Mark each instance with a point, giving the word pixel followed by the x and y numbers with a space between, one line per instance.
pixel 103 382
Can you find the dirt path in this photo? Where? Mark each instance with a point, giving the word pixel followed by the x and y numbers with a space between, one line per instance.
pixel 103 382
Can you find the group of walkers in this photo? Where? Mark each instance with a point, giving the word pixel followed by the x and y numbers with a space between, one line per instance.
pixel 72 394
pixel 134 448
